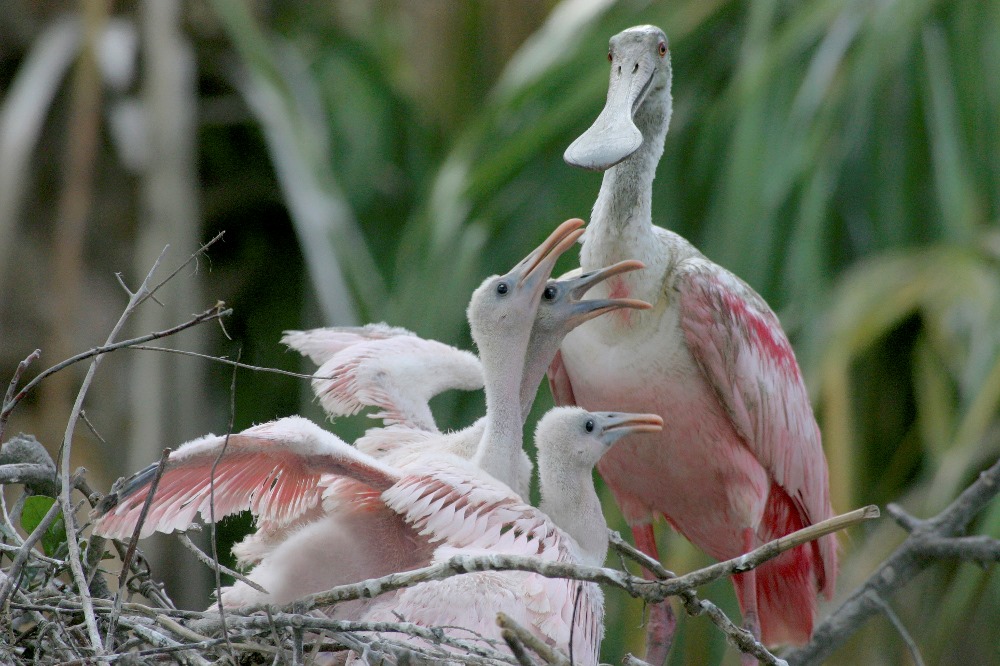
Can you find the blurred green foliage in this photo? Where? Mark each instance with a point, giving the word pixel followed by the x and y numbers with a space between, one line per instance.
pixel 842 156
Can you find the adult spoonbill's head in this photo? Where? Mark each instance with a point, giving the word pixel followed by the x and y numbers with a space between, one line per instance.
pixel 503 304
pixel 640 76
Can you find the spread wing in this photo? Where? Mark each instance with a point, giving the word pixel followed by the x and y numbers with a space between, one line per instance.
pixel 746 357
pixel 387 368
pixel 277 470
pixel 319 344
pixel 471 513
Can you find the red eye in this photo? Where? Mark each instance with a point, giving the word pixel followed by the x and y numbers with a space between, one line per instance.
pixel 609 56
pixel 663 49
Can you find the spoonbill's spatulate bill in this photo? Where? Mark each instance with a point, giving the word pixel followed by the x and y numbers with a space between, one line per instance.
pixel 740 462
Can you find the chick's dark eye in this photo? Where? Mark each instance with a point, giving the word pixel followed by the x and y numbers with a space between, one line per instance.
pixel 663 49
pixel 589 425
pixel 502 288
pixel 550 293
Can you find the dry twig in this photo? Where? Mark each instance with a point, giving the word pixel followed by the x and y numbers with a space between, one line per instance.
pixel 938 534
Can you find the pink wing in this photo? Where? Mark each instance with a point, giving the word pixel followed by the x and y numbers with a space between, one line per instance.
pixel 745 355
pixel 277 470
pixel 470 513
pixel 387 368
pixel 319 344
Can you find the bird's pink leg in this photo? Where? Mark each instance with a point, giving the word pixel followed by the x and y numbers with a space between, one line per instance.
pixel 746 591
pixel 662 622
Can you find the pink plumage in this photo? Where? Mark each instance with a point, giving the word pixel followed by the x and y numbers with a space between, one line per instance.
pixel 279 470
pixel 739 461
pixel 384 367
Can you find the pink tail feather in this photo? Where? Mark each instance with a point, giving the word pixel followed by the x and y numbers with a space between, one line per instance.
pixel 788 585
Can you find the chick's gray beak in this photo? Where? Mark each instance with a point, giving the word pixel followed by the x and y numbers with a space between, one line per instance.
pixel 616 426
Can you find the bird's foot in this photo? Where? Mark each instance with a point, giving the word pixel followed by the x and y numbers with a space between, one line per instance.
pixel 660 628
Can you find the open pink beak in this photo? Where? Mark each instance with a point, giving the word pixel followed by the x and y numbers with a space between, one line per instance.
pixel 532 271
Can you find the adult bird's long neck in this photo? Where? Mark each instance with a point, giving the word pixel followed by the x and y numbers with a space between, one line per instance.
pixel 621 222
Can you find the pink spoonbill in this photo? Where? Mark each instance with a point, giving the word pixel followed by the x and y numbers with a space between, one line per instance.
pixel 741 462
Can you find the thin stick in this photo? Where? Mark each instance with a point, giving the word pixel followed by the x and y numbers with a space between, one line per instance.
pixel 212 564
pixel 217 311
pixel 22 556
pixel 890 614
pixel 517 648
pixel 12 387
pixel 653 591
pixel 132 545
pixel 226 361
pixel 543 650
pixel 211 506
pixel 768 551
pixel 739 637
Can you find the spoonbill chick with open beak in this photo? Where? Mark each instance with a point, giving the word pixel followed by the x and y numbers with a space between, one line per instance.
pixel 316 530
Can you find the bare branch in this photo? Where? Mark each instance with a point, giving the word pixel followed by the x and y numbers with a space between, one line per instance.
pixel 22 556
pixel 12 387
pixel 513 642
pixel 25 473
pixel 132 545
pixel 911 644
pixel 908 560
pixel 215 312
pixel 740 638
pixel 529 640
pixel 214 563
pixel 981 549
pixel 211 508
pixel 235 364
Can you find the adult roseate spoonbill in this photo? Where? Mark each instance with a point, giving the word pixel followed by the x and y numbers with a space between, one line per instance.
pixel 741 462
pixel 569 526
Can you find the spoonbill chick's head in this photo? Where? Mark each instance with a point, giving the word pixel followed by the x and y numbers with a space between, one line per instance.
pixel 640 82
pixel 503 307
pixel 563 307
pixel 578 438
